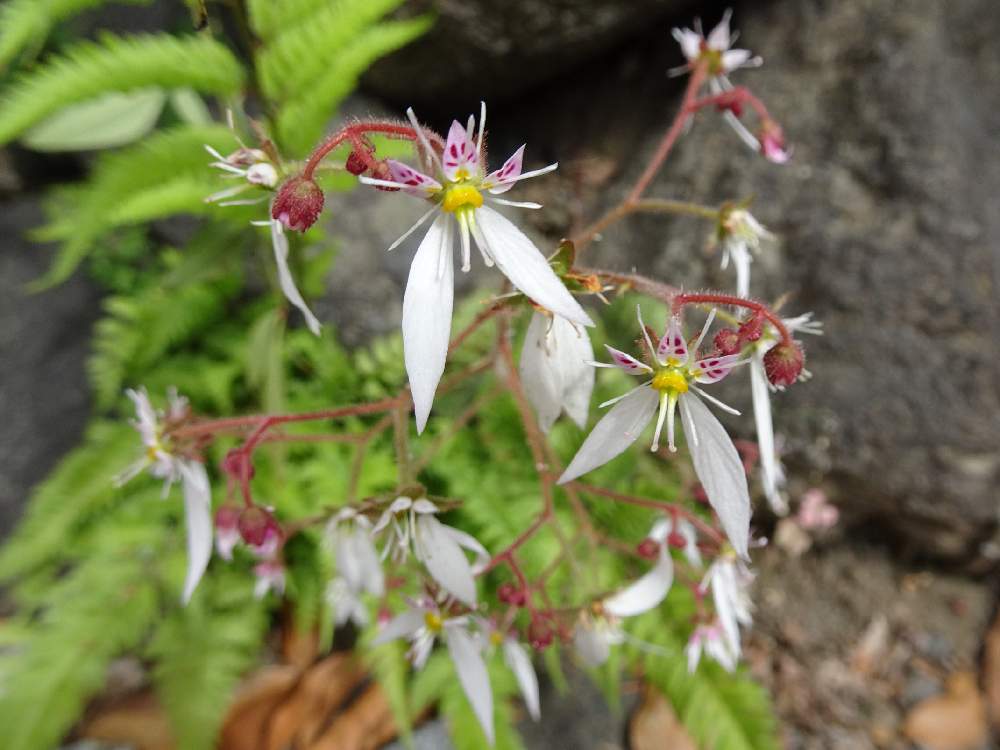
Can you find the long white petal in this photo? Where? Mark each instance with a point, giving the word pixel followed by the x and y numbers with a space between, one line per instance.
pixel 719 469
pixel 470 543
pixel 724 595
pixel 472 674
pixel 540 378
pixel 288 288
pixel 402 625
pixel 573 351
pixel 616 431
pixel 527 681
pixel 198 519
pixel 442 555
pixel 645 593
pixel 770 469
pixel 521 262
pixel 591 645
pixel 427 305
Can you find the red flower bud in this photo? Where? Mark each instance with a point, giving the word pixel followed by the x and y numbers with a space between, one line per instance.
pixel 258 527
pixel 783 363
pixel 699 494
pixel 237 464
pixel 356 164
pixel 677 540
pixel 540 634
pixel 381 171
pixel 727 341
pixel 752 328
pixel 648 548
pixel 298 204
pixel 508 593
pixel 227 518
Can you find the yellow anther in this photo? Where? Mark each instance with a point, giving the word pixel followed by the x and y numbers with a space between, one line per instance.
pixel 151 452
pixel 496 638
pixel 458 196
pixel 433 622
pixel 667 381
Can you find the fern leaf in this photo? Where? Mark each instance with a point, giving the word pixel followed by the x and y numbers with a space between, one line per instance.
pixel 303 119
pixel 117 64
pixel 26 23
pixel 268 18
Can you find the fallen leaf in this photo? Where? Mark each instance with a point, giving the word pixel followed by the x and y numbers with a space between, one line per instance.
pixel 366 725
pixel 654 725
pixel 246 721
pixel 953 721
pixel 137 721
pixel 991 671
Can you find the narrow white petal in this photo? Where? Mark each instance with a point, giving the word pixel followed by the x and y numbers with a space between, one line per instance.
pixel 527 681
pixel 770 469
pixel 470 543
pixel 291 292
pixel 693 653
pixel 442 555
pixel 472 674
pixel 402 625
pixel 371 577
pixel 198 519
pixel 616 431
pixel 719 469
pixel 521 262
pixel 741 261
pixel 591 645
pixel 431 153
pixel 427 305
pixel 516 204
pixel 542 381
pixel 645 593
pixel 724 596
pixel 721 404
pixel 571 353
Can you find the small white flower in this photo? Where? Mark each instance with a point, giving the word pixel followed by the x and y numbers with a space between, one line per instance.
pixel 772 475
pixel 346 603
pixel 421 625
pixel 715 49
pixel 358 566
pixel 651 589
pixel 270 576
pixel 163 464
pixel 437 546
pixel 555 369
pixel 593 638
pixel 248 164
pixel 674 382
pixel 457 192
pixel 711 639
pixel 730 579
pixel 740 235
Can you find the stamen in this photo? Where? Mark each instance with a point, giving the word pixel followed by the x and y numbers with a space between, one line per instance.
pixel 423 139
pixel 664 398
pixel 412 229
pixel 714 400
pixel 692 352
pixel 516 204
pixel 482 127
pixel 645 334
pixel 463 225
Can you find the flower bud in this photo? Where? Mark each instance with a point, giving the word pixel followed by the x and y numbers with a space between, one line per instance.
pixel 783 363
pixel 752 328
pixel 648 548
pixel 259 529
pixel 772 143
pixel 381 171
pixel 356 164
pixel 227 518
pixel 539 634
pixel 727 341
pixel 508 593
pixel 298 204
pixel 677 540
pixel 237 464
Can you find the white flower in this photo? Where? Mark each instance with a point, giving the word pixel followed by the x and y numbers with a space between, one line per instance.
pixel 715 49
pixel 346 603
pixel 772 475
pixel 740 235
pixel 279 242
pixel 457 195
pixel 437 546
pixel 249 164
pixel 730 579
pixel 593 638
pixel 421 625
pixel 358 566
pixel 652 588
pixel 711 639
pixel 270 576
pixel 163 464
pixel 555 369
pixel 674 381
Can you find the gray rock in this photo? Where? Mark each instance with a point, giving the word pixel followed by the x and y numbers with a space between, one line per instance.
pixel 44 340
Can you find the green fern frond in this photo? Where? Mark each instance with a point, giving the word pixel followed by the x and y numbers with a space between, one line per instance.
pixel 167 165
pixel 25 24
pixel 269 18
pixel 117 64
pixel 303 119
pixel 201 651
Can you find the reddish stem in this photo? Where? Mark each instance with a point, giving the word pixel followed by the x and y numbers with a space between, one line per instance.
pixel 715 298
pixel 355 133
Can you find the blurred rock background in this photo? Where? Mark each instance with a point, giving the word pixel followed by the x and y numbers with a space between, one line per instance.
pixel 889 231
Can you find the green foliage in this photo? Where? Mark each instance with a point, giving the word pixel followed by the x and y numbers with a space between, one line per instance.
pixel 24 24
pixel 89 69
pixel 314 52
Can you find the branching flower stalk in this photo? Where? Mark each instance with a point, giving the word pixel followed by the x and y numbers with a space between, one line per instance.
pixel 707 548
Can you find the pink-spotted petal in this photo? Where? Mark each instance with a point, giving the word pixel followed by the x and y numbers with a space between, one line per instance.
pixel 504 178
pixel 627 362
pixel 417 183
pixel 460 158
pixel 714 369
pixel 673 349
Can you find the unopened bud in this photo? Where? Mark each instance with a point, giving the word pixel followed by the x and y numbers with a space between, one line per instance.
pixel 772 143
pixel 356 164
pixel 381 171
pixel 752 328
pixel 727 341
pixel 227 518
pixel 258 528
pixel 298 204
pixel 540 634
pixel 237 464
pixel 648 548
pixel 677 540
pixel 783 363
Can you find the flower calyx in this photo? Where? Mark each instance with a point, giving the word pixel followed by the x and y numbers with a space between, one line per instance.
pixel 298 204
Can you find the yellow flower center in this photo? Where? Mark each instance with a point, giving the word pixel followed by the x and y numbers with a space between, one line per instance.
pixel 668 380
pixel 433 622
pixel 459 196
pixel 496 638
